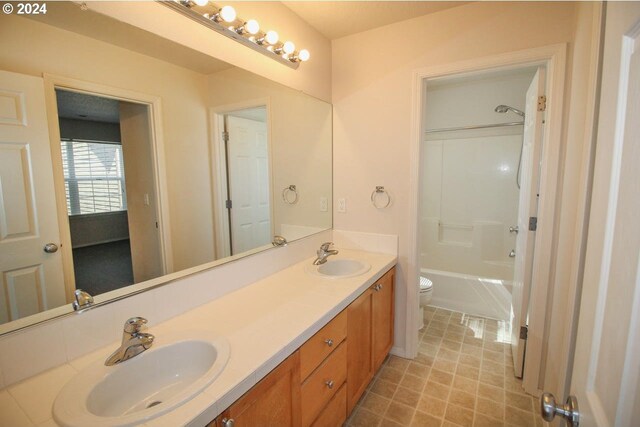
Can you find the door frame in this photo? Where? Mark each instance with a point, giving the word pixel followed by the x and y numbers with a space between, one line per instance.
pixel 553 58
pixel 53 82
pixel 219 169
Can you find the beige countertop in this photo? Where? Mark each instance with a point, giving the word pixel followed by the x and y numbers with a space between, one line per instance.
pixel 264 323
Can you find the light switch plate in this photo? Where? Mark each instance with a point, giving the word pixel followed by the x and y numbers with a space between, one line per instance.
pixel 324 204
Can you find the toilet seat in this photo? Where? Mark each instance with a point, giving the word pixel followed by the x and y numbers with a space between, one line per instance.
pixel 425 284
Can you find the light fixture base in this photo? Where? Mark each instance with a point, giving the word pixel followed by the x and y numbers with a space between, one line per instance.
pixel 218 27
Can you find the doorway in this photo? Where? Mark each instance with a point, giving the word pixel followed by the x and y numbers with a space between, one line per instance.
pixel 110 191
pixel 244 180
pixel 479 189
pixel 552 59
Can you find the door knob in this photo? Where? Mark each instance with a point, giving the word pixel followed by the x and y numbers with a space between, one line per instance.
pixel 50 248
pixel 512 254
pixel 513 229
pixel 569 411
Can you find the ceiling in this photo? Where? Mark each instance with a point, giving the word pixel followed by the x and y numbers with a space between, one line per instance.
pixel 335 19
pixel 79 106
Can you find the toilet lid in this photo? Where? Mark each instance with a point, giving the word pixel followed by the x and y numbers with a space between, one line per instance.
pixel 425 284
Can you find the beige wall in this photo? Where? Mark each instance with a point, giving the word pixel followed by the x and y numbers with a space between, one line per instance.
pixel 312 77
pixel 300 144
pixel 373 98
pixel 33 48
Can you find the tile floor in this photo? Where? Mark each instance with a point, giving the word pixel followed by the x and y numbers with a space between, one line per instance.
pixel 463 376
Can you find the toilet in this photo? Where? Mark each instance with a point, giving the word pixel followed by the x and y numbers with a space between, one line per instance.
pixel 426 289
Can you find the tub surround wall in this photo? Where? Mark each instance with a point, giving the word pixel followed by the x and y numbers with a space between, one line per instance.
pixel 469 200
pixel 469 196
pixel 261 333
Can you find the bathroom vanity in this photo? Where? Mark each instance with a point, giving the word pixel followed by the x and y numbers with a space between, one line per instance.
pixel 301 349
pixel 321 382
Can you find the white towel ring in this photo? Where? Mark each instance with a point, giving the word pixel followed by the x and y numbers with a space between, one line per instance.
pixel 286 195
pixel 374 197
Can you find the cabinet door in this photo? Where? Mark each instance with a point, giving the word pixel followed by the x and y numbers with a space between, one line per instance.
pixel 335 413
pixel 359 347
pixel 273 402
pixel 382 317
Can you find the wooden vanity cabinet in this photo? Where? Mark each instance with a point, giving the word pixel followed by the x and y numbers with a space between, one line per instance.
pixel 359 361
pixel 273 402
pixel 370 335
pixel 321 382
pixel 382 317
pixel 323 361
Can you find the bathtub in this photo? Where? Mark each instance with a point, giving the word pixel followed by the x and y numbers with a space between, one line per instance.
pixel 473 295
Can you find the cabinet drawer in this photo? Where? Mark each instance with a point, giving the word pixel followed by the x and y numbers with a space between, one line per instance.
pixel 319 346
pixel 335 413
pixel 323 384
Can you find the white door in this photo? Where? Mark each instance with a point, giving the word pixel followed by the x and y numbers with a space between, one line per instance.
pixel 606 368
pixel 527 207
pixel 139 178
pixel 249 188
pixel 32 280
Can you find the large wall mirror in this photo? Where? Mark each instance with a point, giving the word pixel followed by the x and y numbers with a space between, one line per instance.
pixel 125 157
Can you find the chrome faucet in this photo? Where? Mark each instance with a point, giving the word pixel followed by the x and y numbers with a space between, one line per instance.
pixel 134 342
pixel 324 252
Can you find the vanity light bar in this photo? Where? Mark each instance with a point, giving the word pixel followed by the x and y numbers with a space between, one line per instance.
pixel 225 21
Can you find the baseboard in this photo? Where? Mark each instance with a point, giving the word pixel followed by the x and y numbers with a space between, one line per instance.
pixel 399 351
pixel 101 242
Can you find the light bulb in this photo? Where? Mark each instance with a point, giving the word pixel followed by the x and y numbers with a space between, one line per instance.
pixel 304 55
pixel 201 2
pixel 228 14
pixel 271 37
pixel 288 47
pixel 252 26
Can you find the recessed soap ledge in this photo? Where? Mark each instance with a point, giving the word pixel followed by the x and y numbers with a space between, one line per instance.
pixel 255 317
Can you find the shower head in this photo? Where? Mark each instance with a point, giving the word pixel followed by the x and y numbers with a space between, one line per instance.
pixel 505 108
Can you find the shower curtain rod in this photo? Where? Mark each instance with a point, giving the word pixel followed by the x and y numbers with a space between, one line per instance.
pixel 497 125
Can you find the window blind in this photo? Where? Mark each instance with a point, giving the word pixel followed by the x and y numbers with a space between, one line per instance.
pixel 93 176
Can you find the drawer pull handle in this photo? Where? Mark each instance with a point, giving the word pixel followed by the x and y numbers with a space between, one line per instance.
pixel 377 287
pixel 329 384
pixel 228 422
pixel 329 342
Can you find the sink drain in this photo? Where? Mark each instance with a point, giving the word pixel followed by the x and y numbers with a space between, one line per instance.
pixel 155 403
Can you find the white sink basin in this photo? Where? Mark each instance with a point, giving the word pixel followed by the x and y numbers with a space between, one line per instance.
pixel 172 371
pixel 339 268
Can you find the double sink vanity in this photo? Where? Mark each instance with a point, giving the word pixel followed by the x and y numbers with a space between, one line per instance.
pixel 296 348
